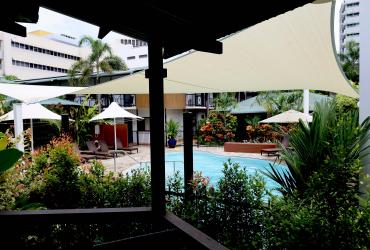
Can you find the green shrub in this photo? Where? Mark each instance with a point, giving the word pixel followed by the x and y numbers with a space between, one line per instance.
pixel 232 213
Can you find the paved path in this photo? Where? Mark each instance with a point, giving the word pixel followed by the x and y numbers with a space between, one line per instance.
pixel 124 163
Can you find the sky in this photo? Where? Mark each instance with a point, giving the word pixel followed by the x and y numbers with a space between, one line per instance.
pixel 57 23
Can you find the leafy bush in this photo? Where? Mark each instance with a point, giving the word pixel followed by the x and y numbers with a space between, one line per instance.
pixel 232 213
pixel 218 129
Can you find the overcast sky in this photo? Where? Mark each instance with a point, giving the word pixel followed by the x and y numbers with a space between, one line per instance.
pixel 58 23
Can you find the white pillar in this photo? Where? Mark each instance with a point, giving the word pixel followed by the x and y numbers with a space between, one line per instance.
pixel 31 125
pixel 364 67
pixel 18 125
pixel 306 101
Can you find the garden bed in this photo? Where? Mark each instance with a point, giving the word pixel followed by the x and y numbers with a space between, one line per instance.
pixel 247 147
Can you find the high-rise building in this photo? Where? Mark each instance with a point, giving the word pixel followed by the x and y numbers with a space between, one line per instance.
pixel 40 54
pixel 349 22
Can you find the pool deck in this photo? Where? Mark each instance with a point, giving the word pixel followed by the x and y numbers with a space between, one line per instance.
pixel 129 160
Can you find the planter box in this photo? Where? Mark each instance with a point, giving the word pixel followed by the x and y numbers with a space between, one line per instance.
pixel 247 147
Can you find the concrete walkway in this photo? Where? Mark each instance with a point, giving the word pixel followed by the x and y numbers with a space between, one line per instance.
pixel 124 163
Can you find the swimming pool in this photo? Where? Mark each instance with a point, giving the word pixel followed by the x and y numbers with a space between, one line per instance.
pixel 211 165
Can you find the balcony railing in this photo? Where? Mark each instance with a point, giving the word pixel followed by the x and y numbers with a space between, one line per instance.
pixel 198 100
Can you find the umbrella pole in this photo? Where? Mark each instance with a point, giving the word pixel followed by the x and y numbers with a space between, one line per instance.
pixel 115 142
pixel 31 124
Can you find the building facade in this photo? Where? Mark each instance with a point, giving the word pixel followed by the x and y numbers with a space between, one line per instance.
pixel 349 22
pixel 41 54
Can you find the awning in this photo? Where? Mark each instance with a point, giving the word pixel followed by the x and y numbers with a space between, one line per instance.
pixel 34 93
pixel 291 51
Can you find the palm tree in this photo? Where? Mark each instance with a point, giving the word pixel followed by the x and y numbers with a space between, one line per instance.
pixel 350 61
pixel 224 102
pixel 95 62
pixel 278 101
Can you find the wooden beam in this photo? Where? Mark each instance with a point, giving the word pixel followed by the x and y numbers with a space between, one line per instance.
pixel 203 239
pixel 90 215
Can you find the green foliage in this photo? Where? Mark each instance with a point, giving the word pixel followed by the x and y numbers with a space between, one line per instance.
pixel 11 77
pixel 60 177
pixel 172 128
pixel 232 213
pixel 8 156
pixel 218 129
pixel 224 102
pixel 101 58
pixel 279 101
pixel 350 61
pixel 345 104
pixel 82 127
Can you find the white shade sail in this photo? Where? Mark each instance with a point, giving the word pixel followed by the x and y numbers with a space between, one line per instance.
pixel 32 111
pixel 114 111
pixel 290 116
pixel 291 51
pixel 34 93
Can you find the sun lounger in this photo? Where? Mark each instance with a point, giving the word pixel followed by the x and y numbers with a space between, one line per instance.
pixel 129 149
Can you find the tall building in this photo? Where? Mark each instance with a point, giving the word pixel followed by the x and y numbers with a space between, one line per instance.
pixel 133 51
pixel 349 22
pixel 40 54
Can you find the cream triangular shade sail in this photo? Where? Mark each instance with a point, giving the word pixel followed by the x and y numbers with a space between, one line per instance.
pixel 290 116
pixel 34 93
pixel 291 51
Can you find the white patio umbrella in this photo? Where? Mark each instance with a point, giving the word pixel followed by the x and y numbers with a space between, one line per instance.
pixel 290 116
pixel 112 112
pixel 32 111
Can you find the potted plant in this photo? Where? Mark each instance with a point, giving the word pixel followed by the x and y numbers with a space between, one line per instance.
pixel 172 129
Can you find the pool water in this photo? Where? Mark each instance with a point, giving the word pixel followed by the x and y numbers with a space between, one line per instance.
pixel 211 165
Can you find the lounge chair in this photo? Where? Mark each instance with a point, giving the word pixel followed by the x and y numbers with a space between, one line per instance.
pixel 103 152
pixel 129 149
pixel 276 151
pixel 85 155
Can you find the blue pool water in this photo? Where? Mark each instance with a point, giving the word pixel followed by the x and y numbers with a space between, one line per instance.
pixel 211 165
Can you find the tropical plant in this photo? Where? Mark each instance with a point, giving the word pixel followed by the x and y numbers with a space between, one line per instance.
pixel 218 129
pixel 316 146
pixel 172 128
pixel 100 59
pixel 8 156
pixel 82 115
pixel 279 101
pixel 350 61
pixel 224 102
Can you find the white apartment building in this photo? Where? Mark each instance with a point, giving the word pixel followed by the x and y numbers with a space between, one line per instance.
pixel 349 22
pixel 133 51
pixel 40 54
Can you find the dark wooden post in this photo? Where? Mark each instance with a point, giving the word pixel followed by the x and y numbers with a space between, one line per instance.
pixel 188 153
pixel 65 123
pixel 156 73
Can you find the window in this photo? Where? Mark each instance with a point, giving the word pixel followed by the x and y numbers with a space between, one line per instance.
pixel 143 56
pixel 130 57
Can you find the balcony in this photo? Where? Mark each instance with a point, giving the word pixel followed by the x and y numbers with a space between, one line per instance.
pixel 126 101
pixel 198 101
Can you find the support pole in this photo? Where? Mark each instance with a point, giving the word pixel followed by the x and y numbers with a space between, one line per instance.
pixel 18 125
pixel 31 125
pixel 115 143
pixel 156 73
pixel 188 154
pixel 306 101
pixel 365 75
